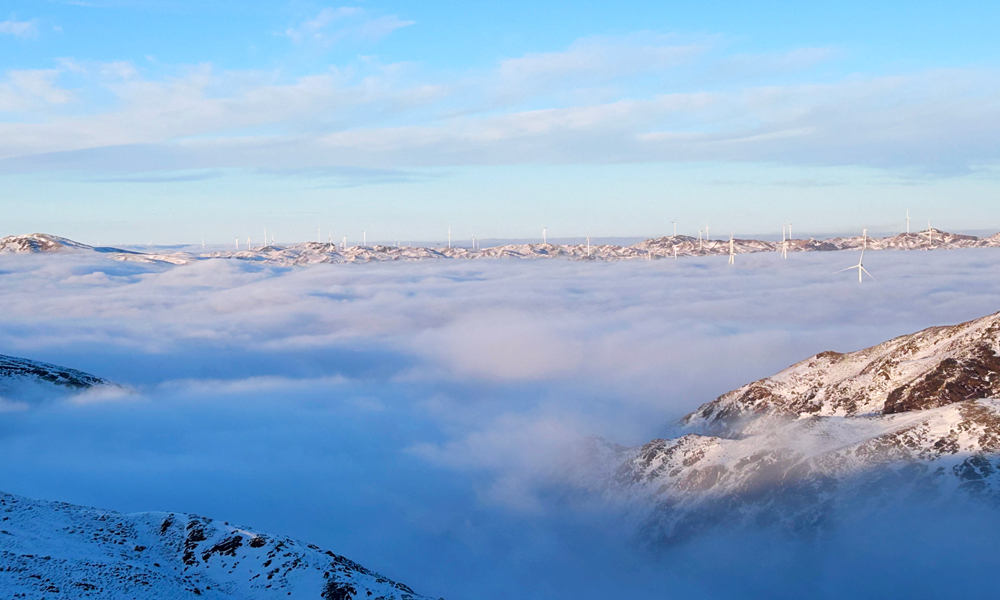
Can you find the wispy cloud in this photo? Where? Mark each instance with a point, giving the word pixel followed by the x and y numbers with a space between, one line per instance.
pixel 533 109
pixel 159 178
pixel 38 88
pixel 21 29
pixel 345 23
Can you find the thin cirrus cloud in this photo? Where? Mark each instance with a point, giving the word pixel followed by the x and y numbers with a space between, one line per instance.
pixel 534 109
pixel 21 29
pixel 345 23
pixel 32 89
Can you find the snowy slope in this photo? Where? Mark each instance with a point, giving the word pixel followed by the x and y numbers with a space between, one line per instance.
pixel 25 382
pixel 35 243
pixel 926 369
pixel 13 369
pixel 831 435
pixel 799 476
pixel 39 242
pixel 57 550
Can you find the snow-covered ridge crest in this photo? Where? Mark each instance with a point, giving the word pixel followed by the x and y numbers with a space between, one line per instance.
pixel 652 249
pixel 39 242
pixel 58 550
pixel 13 368
pixel 36 243
pixel 927 369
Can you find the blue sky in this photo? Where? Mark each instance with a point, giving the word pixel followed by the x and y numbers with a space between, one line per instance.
pixel 129 121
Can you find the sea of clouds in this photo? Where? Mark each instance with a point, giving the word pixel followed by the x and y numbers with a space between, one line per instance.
pixel 425 419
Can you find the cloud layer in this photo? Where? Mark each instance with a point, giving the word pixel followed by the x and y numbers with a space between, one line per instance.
pixel 638 98
pixel 426 418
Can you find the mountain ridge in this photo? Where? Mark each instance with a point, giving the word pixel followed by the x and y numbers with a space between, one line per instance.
pixel 660 248
pixel 835 434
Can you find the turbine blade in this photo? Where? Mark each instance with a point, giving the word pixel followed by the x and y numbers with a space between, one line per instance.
pixel 847 269
pixel 867 273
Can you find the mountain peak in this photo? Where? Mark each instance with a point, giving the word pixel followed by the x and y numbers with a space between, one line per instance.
pixel 927 369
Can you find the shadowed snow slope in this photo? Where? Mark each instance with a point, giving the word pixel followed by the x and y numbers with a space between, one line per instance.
pixel 57 550
pixel 24 383
pixel 13 369
pixel 834 434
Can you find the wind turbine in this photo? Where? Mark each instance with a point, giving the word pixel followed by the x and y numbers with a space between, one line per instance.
pixel 588 245
pixel 732 251
pixel 364 238
pixel 237 243
pixel 706 233
pixel 930 234
pixel 675 252
pixel 699 240
pixel 544 231
pixel 675 227
pixel 860 266
pixel 784 243
pixel 789 231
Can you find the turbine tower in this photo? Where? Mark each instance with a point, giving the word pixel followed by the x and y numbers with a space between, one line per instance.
pixel 930 234
pixel 784 243
pixel 860 266
pixel 588 246
pixel 732 252
pixel 675 227
pixel 544 230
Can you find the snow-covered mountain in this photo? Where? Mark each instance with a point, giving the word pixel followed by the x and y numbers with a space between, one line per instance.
pixel 657 248
pixel 57 550
pixel 35 243
pixel 39 242
pixel 25 382
pixel 831 435
pixel 13 369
